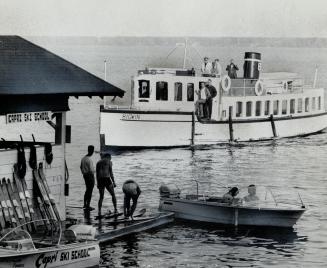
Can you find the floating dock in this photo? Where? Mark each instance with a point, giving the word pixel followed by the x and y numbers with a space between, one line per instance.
pixel 113 228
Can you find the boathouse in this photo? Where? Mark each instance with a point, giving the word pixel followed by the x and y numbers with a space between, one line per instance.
pixel 35 86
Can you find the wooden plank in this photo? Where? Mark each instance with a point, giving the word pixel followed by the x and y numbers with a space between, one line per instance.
pixel 162 219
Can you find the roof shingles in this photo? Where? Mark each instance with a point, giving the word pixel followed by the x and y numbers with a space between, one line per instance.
pixel 27 69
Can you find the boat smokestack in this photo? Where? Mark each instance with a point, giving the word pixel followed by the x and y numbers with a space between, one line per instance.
pixel 252 65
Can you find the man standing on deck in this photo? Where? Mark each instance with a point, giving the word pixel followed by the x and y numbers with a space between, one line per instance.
pixel 87 169
pixel 206 67
pixel 105 180
pixel 131 191
pixel 213 93
pixel 231 69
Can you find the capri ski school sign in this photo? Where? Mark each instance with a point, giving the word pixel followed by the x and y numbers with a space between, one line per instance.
pixel 28 117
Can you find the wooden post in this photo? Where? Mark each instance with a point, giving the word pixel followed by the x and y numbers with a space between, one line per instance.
pixel 230 123
pixel 273 127
pixel 193 129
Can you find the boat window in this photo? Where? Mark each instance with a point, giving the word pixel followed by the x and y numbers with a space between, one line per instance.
pixel 306 105
pixel 258 108
pixel 267 107
pixel 248 108
pixel 190 92
pixel 292 106
pixel 162 91
pixel 313 103
pixel 299 105
pixel 319 103
pixel 239 107
pixel 224 113
pixel 275 107
pixel 178 91
pixel 284 107
pixel 144 89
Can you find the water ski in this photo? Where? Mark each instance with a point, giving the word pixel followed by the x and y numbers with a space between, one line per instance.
pixel 42 197
pixel 6 220
pixel 7 203
pixel 47 190
pixel 128 220
pixel 15 200
pixel 140 213
pixel 28 211
pixel 108 216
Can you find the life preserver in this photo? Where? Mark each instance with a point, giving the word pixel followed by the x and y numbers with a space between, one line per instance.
pixel 285 86
pixel 226 83
pixel 258 88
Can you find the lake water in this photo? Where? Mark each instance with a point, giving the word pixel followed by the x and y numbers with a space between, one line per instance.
pixel 299 162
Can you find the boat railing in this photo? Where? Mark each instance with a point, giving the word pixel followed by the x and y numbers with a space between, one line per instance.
pixel 246 87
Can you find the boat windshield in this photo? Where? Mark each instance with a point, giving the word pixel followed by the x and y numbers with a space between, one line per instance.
pixel 17 239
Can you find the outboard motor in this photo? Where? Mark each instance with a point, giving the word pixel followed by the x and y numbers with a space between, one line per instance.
pixel 80 232
pixel 168 191
pixel 252 65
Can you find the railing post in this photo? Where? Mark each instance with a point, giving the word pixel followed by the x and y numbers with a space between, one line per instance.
pixel 230 123
pixel 193 128
pixel 273 125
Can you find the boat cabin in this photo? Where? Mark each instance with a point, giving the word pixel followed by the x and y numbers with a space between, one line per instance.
pixel 256 95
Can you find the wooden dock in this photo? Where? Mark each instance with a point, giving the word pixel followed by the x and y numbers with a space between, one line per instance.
pixel 137 227
pixel 111 229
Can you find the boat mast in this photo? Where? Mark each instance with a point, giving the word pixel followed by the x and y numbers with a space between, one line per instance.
pixel 105 79
pixel 185 51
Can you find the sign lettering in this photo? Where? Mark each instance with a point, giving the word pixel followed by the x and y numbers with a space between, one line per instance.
pixel 28 117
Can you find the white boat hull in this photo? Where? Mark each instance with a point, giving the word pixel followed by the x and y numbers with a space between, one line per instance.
pixel 79 255
pixel 142 129
pixel 212 212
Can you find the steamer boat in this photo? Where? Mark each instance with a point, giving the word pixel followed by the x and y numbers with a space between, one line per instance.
pixel 259 106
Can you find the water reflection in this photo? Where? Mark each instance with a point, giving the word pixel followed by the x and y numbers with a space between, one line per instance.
pixel 128 250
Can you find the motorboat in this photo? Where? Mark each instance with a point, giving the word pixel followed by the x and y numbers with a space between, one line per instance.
pixel 215 209
pixel 77 248
pixel 258 106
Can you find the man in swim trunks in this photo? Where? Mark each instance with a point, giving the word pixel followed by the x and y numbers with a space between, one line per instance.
pixel 105 180
pixel 131 191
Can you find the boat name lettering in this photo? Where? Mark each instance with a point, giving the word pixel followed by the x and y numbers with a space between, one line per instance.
pixel 131 117
pixel 43 260
pixel 28 117
pixel 78 254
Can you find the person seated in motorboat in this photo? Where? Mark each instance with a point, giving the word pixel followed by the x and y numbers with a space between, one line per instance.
pixel 252 194
pixel 230 196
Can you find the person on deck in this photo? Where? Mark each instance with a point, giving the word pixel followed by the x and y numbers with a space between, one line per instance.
pixel 87 170
pixel 232 69
pixel 212 93
pixel 252 194
pixel 132 192
pixel 201 104
pixel 105 180
pixel 206 67
pixel 216 68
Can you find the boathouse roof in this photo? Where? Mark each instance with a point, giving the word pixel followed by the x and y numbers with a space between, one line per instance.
pixel 31 71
